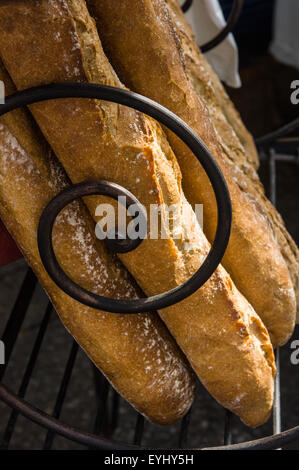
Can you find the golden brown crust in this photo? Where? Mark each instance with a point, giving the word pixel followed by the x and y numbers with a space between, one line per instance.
pixel 136 353
pixel 218 330
pixel 151 61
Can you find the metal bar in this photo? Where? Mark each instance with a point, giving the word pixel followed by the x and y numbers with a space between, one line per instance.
pixel 228 435
pixel 178 127
pixel 96 442
pixel 139 428
pixel 263 443
pixel 27 376
pixel 17 316
pixel 280 157
pixel 231 23
pixel 277 400
pixel 272 170
pixel 115 411
pixel 43 419
pixel 62 393
pixel 183 436
pixel 283 131
pixel 102 388
pixel 186 5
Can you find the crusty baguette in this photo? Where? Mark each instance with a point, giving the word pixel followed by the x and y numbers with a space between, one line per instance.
pixel 150 59
pixel 193 63
pixel 223 338
pixel 136 353
pixel 225 119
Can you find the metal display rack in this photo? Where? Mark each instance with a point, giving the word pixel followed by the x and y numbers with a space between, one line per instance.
pixel 272 149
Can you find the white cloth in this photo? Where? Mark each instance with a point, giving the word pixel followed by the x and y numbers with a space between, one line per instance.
pixel 285 45
pixel 207 20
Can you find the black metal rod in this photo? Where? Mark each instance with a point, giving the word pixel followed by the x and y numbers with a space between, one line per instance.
pixel 102 390
pixel 231 23
pixel 277 400
pixel 265 443
pixel 17 317
pixel 196 145
pixel 139 428
pixel 187 5
pixel 114 412
pixel 27 376
pixel 183 436
pixel 282 158
pixel 74 434
pixel 228 436
pixel 100 381
pixel 45 420
pixel 277 428
pixel 272 174
pixel 62 392
pixel 283 131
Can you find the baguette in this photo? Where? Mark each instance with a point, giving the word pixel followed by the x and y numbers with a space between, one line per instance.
pixel 219 332
pixel 150 59
pixel 136 353
pixel 197 68
pixel 239 145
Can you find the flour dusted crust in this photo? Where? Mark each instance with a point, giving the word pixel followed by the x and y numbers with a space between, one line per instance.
pixel 136 353
pixel 241 157
pixel 219 332
pixel 149 58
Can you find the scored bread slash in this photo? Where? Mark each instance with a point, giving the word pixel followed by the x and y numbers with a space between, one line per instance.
pixel 222 337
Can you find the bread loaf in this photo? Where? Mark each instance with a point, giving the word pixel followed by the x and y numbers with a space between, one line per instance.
pixel 219 332
pixel 234 137
pixel 135 352
pixel 197 67
pixel 150 59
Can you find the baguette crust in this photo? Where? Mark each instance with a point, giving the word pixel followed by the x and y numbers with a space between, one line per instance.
pixel 234 138
pixel 223 338
pixel 151 62
pixel 198 68
pixel 136 353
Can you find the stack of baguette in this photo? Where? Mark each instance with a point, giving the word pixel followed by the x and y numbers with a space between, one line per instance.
pixel 136 353
pixel 219 328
